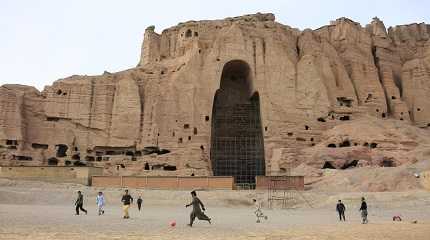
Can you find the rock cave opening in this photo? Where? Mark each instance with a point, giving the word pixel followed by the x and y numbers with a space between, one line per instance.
pixel 351 164
pixel 53 161
pixel 237 145
pixel 345 143
pixel 328 165
pixel 387 163
pixel 61 150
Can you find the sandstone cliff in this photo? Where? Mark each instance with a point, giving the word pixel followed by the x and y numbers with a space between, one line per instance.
pixel 326 97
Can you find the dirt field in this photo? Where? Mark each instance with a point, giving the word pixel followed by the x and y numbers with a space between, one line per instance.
pixel 30 210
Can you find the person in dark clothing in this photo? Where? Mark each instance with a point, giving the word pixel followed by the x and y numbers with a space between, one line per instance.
pixel 139 203
pixel 127 200
pixel 80 203
pixel 197 212
pixel 363 209
pixel 340 208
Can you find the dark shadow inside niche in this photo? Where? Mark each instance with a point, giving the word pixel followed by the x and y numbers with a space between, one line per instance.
pixel 331 145
pixel 61 150
pixel 345 143
pixel 344 118
pixel 351 164
pixel 328 165
pixel 387 163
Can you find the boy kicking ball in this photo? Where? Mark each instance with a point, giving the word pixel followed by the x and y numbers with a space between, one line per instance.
pixel 258 213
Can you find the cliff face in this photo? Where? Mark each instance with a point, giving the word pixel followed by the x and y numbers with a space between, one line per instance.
pixel 304 84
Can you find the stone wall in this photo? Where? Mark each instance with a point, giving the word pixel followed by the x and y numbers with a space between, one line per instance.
pixel 81 175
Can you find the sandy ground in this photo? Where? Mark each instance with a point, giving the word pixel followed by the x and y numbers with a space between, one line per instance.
pixel 46 211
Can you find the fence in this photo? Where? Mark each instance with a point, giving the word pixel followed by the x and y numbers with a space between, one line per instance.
pixel 164 182
pixel 281 182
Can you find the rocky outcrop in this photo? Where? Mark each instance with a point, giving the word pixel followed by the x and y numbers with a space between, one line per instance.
pixel 307 85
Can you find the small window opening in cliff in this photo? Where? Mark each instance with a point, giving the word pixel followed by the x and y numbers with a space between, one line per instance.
pixel 52 119
pixel 169 168
pixel 401 113
pixel 218 59
pixel 11 147
pixel 200 51
pixel 59 92
pixel 202 147
pixel 344 118
pixel 320 119
pixel 138 153
pixel 265 128
pixel 39 146
pixel 162 72
pixel 122 165
pixel 418 109
pixel 76 149
pixel 173 134
pixel 343 101
pixel 64 93
pixel 387 163
pixel 89 159
pixel 23 158
pixel 99 159
pixel 393 97
pixel 345 143
pixel 76 157
pixel 299 139
pixel 186 126
pixel 195 131
pixel 188 33
pixel 207 118
pixel 146 167
pixel 307 127
pixel 61 150
pixel 377 110
pixel 331 145
pixel 369 97
pixel 373 145
pixel 312 139
pixel 52 161
pixel 290 134
pixel 11 142
pixel 366 144
pixel 79 164
pixel 401 119
pixel 351 164
pixel 189 138
pixel 196 34
pixel 179 140
pixel 383 115
pixel 129 153
pixel 328 165
pixel 67 163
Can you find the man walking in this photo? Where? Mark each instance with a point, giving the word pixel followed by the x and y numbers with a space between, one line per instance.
pixel 80 203
pixel 126 200
pixel 340 208
pixel 197 212
pixel 363 209
pixel 139 203
pixel 100 200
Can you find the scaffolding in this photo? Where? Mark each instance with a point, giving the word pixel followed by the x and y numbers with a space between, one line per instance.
pixel 284 190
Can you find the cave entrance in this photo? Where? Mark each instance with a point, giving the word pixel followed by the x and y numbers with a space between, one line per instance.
pixel 237 145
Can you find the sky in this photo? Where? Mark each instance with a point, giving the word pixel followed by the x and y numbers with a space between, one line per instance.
pixel 45 40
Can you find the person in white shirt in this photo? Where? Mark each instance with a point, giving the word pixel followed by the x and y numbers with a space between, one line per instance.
pixel 100 200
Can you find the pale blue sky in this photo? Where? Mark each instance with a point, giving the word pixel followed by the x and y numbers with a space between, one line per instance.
pixel 44 40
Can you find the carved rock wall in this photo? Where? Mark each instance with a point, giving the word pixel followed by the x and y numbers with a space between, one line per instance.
pixel 155 119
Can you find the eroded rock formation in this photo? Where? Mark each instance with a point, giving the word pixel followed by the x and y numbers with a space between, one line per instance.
pixel 303 90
